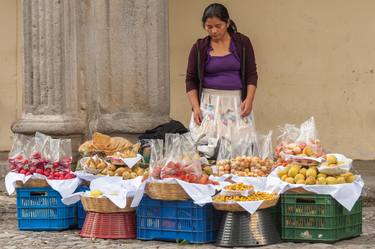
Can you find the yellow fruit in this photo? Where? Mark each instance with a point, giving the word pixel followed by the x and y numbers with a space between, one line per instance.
pixel 299 177
pixel 311 172
pixel 283 178
pixel 96 193
pixel 290 180
pixel 301 182
pixel 133 175
pixel 340 180
pixel 310 180
pixel 331 180
pixel 322 175
pixel 293 172
pixel 282 172
pixel 321 180
pixel 308 151
pixel 331 159
pixel 126 175
pixel 303 171
pixel 350 179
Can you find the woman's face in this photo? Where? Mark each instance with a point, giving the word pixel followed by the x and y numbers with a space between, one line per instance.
pixel 216 28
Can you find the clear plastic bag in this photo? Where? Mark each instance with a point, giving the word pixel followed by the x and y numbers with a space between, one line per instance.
pixel 156 157
pixel 189 149
pixel 244 143
pixel 264 146
pixel 173 148
pixel 225 150
pixel 18 157
pixel 40 152
pixel 304 148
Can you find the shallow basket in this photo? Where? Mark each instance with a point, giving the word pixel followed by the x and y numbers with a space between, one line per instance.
pixel 166 191
pixel 104 205
pixel 235 207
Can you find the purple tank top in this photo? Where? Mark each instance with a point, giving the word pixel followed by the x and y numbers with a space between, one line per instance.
pixel 223 72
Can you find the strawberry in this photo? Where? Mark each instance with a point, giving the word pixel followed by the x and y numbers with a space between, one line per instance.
pixel 56 174
pixel 39 171
pixel 22 171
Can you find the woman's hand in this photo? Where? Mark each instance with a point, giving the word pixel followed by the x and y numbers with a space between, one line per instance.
pixel 198 117
pixel 246 107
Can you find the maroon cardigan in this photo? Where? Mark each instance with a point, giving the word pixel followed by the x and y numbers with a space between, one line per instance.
pixel 196 66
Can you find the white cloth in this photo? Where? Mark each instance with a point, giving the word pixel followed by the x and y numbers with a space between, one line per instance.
pixel 346 194
pixel 200 193
pixel 64 187
pixel 221 115
pixel 114 188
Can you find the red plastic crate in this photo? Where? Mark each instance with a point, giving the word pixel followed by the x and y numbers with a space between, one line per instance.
pixel 109 226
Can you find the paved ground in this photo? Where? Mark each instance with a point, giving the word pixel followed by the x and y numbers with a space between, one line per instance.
pixel 11 237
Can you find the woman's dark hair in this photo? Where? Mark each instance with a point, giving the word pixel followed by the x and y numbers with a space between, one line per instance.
pixel 220 11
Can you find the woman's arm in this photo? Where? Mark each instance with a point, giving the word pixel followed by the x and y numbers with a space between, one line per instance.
pixel 194 101
pixel 247 104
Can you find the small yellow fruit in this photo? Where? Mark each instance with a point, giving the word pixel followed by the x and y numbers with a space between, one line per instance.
pixel 301 182
pixel 310 180
pixel 350 179
pixel 293 172
pixel 331 159
pixel 282 172
pixel 96 193
pixel 312 172
pixel 299 177
pixel 283 178
pixel 321 181
pixel 290 180
pixel 308 151
pixel 340 180
pixel 331 180
pixel 303 171
pixel 322 175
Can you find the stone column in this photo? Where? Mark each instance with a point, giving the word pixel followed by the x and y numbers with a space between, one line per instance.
pixel 126 64
pixel 51 90
pixel 95 65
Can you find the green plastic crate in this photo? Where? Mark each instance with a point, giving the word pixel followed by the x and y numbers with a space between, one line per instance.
pixel 318 218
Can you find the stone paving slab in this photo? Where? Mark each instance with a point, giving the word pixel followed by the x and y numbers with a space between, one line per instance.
pixel 12 238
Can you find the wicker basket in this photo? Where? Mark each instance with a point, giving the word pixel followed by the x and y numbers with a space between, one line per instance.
pixel 235 207
pixel 32 183
pixel 166 191
pixel 104 205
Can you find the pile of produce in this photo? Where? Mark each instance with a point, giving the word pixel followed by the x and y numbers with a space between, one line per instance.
pixel 190 173
pixel 41 155
pixel 299 144
pixel 107 145
pixel 245 166
pixel 256 196
pixel 97 166
pixel 296 174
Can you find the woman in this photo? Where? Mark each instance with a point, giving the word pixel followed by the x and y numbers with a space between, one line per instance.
pixel 221 77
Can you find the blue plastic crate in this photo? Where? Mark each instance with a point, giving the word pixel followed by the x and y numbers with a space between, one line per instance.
pixel 42 209
pixel 81 213
pixel 177 220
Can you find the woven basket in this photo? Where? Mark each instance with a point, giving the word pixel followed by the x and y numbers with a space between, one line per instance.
pixel 104 205
pixel 32 183
pixel 235 207
pixel 166 191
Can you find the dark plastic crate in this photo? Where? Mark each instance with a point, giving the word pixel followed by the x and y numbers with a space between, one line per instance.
pixel 177 221
pixel 318 218
pixel 42 209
